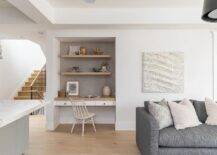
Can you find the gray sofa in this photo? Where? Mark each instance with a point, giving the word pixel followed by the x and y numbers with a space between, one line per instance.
pixel 201 140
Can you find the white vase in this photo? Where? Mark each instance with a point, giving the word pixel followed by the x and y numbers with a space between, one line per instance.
pixel 106 91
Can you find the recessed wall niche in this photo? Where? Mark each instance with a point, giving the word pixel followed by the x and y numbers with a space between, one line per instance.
pixel 90 83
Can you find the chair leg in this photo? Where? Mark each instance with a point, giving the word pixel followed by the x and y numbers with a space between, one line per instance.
pixel 94 127
pixel 73 126
pixel 83 123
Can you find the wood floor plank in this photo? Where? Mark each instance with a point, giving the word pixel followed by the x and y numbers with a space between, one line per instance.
pixel 106 141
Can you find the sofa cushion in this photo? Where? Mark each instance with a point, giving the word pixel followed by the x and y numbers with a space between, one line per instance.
pixel 161 113
pixel 200 136
pixel 211 109
pixel 184 114
pixel 146 105
pixel 147 102
pixel 200 109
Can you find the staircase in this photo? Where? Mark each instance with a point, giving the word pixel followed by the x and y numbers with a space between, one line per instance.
pixel 34 88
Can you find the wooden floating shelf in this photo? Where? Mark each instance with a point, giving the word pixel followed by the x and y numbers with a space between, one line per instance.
pixel 85 56
pixel 86 73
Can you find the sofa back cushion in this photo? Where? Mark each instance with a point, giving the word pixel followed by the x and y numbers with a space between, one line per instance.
pixel 200 109
pixel 161 112
pixel 146 105
pixel 184 114
pixel 147 102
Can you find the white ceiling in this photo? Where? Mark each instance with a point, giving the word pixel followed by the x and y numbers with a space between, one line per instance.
pixel 4 4
pixel 127 12
pixel 125 3
pixel 11 15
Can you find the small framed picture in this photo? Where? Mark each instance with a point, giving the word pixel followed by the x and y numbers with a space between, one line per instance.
pixel 73 50
pixel 72 88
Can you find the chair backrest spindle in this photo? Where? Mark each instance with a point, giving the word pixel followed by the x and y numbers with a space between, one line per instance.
pixel 79 109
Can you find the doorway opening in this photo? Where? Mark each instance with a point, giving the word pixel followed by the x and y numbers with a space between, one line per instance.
pixel 22 69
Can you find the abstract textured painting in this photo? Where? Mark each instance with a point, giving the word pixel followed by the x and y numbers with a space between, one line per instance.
pixel 163 72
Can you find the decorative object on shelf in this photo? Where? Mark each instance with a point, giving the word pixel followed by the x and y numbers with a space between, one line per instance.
pixel 90 96
pixel 163 72
pixel 83 51
pixel 106 92
pixel 96 69
pixel 72 88
pixel 61 94
pixel 75 69
pixel 104 67
pixel 74 50
pixel 210 11
pixel 97 51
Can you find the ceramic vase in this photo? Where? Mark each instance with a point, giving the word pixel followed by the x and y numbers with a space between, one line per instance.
pixel 106 91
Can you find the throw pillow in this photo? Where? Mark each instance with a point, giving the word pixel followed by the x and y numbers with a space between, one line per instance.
pixel 183 114
pixel 161 113
pixel 211 109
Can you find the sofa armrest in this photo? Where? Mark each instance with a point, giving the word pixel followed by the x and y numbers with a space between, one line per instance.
pixel 147 132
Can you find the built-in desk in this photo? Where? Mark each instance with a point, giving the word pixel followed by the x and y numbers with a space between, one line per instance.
pixel 88 101
pixel 104 108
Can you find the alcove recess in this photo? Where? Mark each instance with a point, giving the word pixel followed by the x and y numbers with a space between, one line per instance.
pixel 90 83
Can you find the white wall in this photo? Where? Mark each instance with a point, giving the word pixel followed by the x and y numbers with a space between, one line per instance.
pixel 196 44
pixel 20 58
pixel 198 68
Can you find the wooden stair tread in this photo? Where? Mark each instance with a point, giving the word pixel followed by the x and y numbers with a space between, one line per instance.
pixel 34 74
pixel 37 71
pixel 40 77
pixel 25 98
pixel 29 91
pixel 22 97
pixel 36 83
pixel 41 74
pixel 34 86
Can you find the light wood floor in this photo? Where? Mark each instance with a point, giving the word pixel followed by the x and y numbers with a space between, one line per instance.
pixel 105 142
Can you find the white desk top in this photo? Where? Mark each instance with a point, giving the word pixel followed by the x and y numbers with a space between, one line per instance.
pixel 11 111
pixel 88 103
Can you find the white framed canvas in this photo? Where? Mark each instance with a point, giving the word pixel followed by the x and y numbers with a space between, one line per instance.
pixel 72 88
pixel 163 72
pixel 1 51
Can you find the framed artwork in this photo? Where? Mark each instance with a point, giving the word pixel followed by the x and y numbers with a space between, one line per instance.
pixel 1 52
pixel 73 49
pixel 163 72
pixel 72 88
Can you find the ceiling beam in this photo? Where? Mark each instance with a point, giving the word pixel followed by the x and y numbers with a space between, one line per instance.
pixel 39 11
pixel 128 16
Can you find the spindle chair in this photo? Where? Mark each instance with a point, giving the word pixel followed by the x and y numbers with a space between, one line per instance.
pixel 81 115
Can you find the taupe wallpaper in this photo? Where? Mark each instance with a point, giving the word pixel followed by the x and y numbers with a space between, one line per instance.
pixel 89 85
